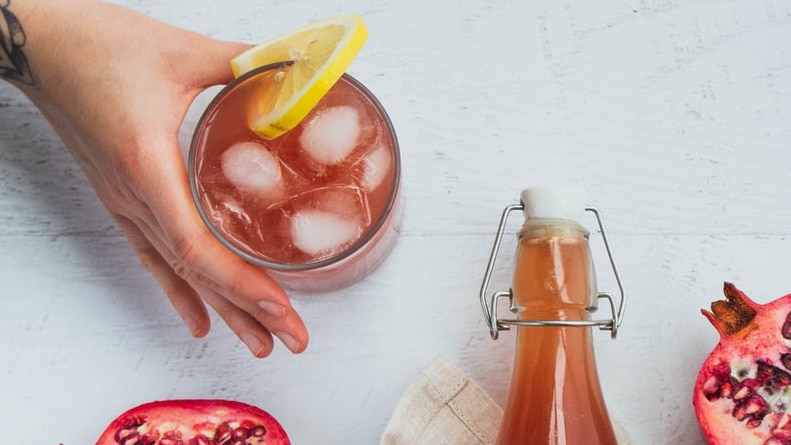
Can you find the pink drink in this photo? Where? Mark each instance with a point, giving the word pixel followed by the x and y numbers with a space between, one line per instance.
pixel 318 206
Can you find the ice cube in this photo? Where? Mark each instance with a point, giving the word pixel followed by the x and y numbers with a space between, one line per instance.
pixel 332 135
pixel 375 168
pixel 252 167
pixel 318 232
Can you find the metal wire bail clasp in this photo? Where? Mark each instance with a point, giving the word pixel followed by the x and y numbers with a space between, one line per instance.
pixel 489 304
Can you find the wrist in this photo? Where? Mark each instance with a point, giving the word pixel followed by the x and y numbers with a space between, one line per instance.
pixel 32 32
pixel 14 63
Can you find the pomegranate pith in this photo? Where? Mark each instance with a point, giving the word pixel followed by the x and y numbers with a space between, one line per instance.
pixel 194 422
pixel 742 395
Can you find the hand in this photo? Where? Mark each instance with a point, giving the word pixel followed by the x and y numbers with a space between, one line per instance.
pixel 116 85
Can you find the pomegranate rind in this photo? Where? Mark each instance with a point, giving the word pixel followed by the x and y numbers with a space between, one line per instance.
pixel 196 415
pixel 758 344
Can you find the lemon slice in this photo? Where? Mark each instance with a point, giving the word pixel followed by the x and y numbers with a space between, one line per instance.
pixel 319 52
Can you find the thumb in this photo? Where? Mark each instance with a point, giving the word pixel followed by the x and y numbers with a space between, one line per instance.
pixel 214 60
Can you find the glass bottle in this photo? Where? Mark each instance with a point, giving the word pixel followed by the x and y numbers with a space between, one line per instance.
pixel 555 397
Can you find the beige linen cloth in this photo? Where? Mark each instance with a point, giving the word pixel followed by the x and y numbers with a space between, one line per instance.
pixel 441 406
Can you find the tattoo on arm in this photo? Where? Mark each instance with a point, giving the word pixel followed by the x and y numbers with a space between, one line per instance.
pixel 13 63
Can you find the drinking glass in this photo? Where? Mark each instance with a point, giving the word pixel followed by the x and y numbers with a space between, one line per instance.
pixel 318 207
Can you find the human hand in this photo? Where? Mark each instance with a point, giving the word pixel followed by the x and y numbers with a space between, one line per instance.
pixel 116 85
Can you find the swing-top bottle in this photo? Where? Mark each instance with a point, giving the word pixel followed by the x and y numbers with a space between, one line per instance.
pixel 555 396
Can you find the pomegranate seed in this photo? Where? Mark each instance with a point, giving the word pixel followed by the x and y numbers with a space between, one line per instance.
pixel 754 423
pixel 222 434
pixel 134 422
pixel 768 372
pixel 241 433
pixel 786 330
pixel 147 440
pixel 123 434
pixel 745 389
pixel 172 436
pixel 783 435
pixel 739 412
pixel 783 423
pixel 756 404
pixel 721 371
pixel 129 439
pixel 726 390
pixel 712 386
pixel 201 440
pixel 247 424
pixel 258 431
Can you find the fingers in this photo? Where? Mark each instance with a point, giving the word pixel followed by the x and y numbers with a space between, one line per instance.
pixel 249 301
pixel 256 336
pixel 257 339
pixel 214 61
pixel 181 252
pixel 181 295
pixel 215 270
pixel 190 306
pixel 167 218
pixel 197 256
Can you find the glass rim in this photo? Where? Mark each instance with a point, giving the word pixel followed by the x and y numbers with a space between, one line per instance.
pixel 360 243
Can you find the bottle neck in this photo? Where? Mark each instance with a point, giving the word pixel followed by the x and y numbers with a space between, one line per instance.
pixel 553 272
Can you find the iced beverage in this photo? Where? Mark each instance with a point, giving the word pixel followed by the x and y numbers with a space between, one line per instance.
pixel 318 206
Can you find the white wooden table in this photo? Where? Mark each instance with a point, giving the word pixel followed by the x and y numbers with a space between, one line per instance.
pixel 675 115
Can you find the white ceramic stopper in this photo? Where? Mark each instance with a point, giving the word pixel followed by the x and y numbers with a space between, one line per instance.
pixel 561 202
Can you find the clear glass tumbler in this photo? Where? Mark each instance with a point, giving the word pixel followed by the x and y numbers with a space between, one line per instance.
pixel 319 206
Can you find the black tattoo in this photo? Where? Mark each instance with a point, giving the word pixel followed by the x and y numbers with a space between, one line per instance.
pixel 13 63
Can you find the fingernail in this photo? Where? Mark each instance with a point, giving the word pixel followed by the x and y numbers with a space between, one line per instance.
pixel 273 309
pixel 253 343
pixel 291 343
pixel 192 325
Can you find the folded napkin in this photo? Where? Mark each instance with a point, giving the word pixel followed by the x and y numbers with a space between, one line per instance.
pixel 441 406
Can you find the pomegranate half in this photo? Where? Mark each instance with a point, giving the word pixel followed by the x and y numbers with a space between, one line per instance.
pixel 194 422
pixel 742 395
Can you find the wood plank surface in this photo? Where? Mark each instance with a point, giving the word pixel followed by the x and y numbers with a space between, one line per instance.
pixel 674 115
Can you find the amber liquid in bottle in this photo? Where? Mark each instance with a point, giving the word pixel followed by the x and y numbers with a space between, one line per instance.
pixel 555 396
